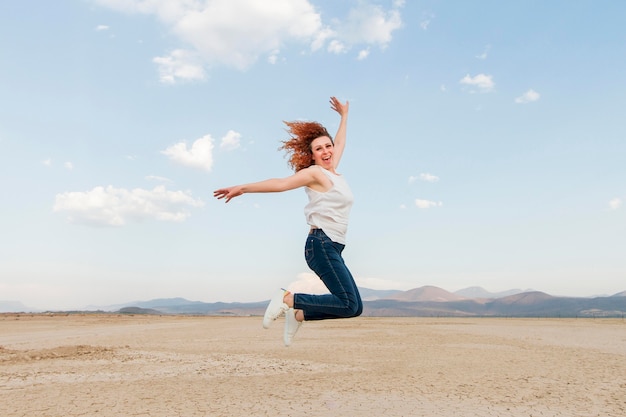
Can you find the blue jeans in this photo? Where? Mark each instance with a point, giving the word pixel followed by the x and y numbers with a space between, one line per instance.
pixel 324 257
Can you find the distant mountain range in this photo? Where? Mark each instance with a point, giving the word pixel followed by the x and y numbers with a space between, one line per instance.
pixel 14 307
pixel 427 301
pixel 432 301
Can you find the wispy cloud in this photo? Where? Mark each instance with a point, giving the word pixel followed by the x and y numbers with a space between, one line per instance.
pixel 337 47
pixel 370 24
pixel 481 83
pixel 615 203
pixel 180 65
pixel 101 28
pixel 425 176
pixel 485 53
pixel 528 97
pixel 425 20
pixel 110 206
pixel 273 56
pixel 67 165
pixel 426 204
pixel 234 34
pixel 231 141
pixel 364 53
pixel 429 177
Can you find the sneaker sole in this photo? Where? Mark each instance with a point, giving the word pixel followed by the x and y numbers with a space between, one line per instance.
pixel 276 303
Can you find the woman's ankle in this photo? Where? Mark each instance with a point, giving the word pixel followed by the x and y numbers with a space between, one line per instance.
pixel 288 299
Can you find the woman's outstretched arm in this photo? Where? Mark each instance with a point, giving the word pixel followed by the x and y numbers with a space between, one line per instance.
pixel 302 178
pixel 340 136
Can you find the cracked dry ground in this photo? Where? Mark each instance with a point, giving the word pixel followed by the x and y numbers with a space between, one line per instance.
pixel 110 365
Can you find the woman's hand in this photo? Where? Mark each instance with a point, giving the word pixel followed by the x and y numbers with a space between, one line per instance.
pixel 340 108
pixel 228 193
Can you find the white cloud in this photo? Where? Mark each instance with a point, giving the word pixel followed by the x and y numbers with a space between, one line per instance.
pixel 200 155
pixel 426 204
pixel 321 37
pixel 273 57
pixel 423 177
pixel 47 162
pixel 483 83
pixel 69 166
pixel 528 97
pixel 308 283
pixel 337 47
pixel 364 53
pixel 100 28
pixel 116 206
pixel 429 177
pixel 179 65
pixel 230 141
pixel 370 24
pixel 615 203
pixel 235 33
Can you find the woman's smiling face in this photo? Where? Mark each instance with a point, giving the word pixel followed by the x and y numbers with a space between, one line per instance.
pixel 322 152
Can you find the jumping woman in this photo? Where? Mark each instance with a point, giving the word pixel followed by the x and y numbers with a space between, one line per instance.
pixel 314 156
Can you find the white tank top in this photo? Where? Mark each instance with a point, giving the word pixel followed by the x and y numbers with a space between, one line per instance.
pixel 330 211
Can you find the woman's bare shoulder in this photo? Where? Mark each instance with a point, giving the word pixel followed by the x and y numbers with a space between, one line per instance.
pixel 321 181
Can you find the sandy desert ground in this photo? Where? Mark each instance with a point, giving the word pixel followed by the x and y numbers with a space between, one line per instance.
pixel 110 365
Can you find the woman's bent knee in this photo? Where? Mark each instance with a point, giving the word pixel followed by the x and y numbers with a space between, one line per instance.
pixel 352 310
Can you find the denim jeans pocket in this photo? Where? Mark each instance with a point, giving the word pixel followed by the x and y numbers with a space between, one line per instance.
pixel 309 251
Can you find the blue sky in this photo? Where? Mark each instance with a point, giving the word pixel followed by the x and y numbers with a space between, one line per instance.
pixel 486 145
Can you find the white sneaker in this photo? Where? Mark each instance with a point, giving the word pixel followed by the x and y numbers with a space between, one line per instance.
pixel 291 326
pixel 275 309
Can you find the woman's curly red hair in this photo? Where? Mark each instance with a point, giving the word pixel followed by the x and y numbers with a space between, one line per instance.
pixel 299 145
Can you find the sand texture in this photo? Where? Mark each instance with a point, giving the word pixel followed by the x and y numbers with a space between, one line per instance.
pixel 151 366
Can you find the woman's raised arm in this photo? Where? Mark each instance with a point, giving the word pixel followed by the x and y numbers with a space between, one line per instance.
pixel 340 136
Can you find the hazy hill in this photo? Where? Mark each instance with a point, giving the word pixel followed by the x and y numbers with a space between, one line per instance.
pixel 541 304
pixel 525 298
pixel 139 310
pixel 15 307
pixel 479 292
pixel 368 294
pixel 165 303
pixel 426 293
